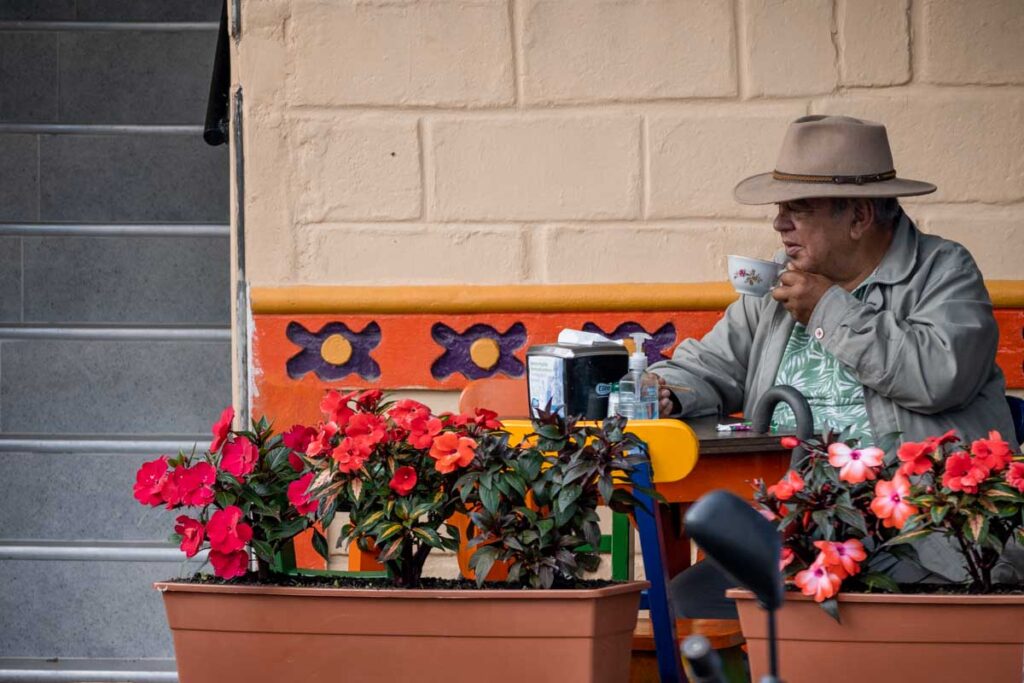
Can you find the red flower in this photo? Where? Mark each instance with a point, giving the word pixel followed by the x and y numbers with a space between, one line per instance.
pixel 221 428
pixel 369 399
pixel 150 481
pixel 296 462
pixel 367 428
pixel 786 558
pixel 788 486
pixel 818 580
pixel 451 450
pixel 459 420
pixel 229 565
pixel 789 442
pixel 843 558
pixel 915 456
pixel 351 454
pixel 963 473
pixel 422 431
pixel 404 411
pixel 239 458
pixel 298 494
pixel 488 419
pixel 335 407
pixel 404 480
pixel 1015 476
pixel 889 504
pixel 192 534
pixel 992 453
pixel 226 530
pixel 855 465
pixel 298 437
pixel 321 443
pixel 195 484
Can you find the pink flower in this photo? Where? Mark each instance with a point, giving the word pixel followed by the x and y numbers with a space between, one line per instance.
pixel 818 581
pixel 889 504
pixel 963 473
pixel 1015 476
pixel 451 450
pixel 221 429
pixel 298 494
pixel 351 454
pixel 422 431
pixel 335 407
pixel 192 534
pixel 239 458
pixel 226 530
pixel 992 453
pixel 789 442
pixel 404 480
pixel 229 565
pixel 150 481
pixel 915 457
pixel 298 437
pixel 843 557
pixel 855 464
pixel 788 486
pixel 368 428
pixel 785 558
pixel 321 443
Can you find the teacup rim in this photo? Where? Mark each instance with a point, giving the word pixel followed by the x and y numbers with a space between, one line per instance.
pixel 754 258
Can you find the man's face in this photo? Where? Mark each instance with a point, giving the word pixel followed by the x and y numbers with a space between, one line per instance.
pixel 815 239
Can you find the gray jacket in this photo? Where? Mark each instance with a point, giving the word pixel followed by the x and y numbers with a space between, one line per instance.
pixel 923 343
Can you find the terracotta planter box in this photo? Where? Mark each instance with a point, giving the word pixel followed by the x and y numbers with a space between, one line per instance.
pixel 249 634
pixel 905 638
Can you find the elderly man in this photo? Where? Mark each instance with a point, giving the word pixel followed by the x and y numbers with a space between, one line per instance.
pixel 883 328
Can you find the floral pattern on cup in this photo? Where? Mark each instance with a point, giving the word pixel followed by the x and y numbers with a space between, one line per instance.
pixel 751 277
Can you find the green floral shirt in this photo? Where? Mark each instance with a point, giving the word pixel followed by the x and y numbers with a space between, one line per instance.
pixel 835 395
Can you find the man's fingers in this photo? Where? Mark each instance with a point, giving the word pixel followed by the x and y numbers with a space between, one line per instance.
pixel 665 407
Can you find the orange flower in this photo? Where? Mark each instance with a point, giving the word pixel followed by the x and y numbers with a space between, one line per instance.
pixel 992 453
pixel 843 558
pixel 963 473
pixel 915 457
pixel 335 406
pixel 889 505
pixel 351 453
pixel 855 465
pixel 451 450
pixel 787 486
pixel 818 581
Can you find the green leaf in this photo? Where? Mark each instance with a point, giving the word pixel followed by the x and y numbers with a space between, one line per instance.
pixel 320 545
pixel 879 581
pixel 389 531
pixel 977 528
pixel 369 521
pixel 568 495
pixel 824 521
pixel 850 516
pixel 263 550
pixel 906 537
pixel 490 498
pixel 517 483
pixel 428 536
pixel 482 561
pixel 939 513
pixel 225 499
pixel 831 607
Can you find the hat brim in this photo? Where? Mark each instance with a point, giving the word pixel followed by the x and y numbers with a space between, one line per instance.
pixel 765 189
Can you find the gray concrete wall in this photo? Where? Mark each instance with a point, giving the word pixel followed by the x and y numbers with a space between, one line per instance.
pixel 114 320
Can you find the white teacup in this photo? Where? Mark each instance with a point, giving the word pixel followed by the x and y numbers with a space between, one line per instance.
pixel 753 276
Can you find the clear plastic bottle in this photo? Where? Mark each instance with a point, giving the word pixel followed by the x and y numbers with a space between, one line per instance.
pixel 638 389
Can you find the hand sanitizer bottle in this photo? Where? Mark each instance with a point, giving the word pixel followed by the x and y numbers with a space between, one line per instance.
pixel 638 389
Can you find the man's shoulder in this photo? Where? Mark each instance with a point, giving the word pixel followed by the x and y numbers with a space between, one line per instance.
pixel 935 251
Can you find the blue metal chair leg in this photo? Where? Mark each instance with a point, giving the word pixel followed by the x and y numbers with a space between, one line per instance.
pixel 663 620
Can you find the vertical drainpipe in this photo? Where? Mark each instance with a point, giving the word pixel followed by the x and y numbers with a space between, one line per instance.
pixel 242 336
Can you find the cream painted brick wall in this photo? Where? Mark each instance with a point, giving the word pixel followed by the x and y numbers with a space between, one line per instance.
pixel 970 145
pixel 623 252
pixel 394 52
pixel 598 50
pixel 981 41
pixel 534 167
pixel 789 47
pixel 358 168
pixel 411 254
pixel 698 154
pixel 874 41
pixel 994 236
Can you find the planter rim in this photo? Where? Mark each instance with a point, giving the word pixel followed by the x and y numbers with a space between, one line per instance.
pixel 895 598
pixel 405 593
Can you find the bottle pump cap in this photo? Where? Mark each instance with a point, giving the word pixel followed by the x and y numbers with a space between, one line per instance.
pixel 638 359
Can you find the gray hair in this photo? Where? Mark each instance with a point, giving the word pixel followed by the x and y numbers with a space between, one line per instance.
pixel 886 208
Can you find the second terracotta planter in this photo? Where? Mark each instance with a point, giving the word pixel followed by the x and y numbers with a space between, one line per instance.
pixel 245 634
pixel 906 638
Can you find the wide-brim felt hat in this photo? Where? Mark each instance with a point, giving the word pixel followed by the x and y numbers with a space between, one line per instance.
pixel 830 156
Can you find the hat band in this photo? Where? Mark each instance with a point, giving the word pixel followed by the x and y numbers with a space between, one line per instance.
pixel 835 179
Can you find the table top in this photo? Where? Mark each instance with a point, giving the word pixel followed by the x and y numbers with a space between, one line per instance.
pixel 713 441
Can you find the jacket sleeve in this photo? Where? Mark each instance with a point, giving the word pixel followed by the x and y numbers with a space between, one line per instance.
pixel 936 358
pixel 714 369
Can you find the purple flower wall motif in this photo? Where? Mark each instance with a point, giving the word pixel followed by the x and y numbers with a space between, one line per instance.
pixel 660 341
pixel 481 351
pixel 334 352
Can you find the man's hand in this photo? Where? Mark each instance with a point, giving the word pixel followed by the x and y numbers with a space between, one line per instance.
pixel 666 403
pixel 799 292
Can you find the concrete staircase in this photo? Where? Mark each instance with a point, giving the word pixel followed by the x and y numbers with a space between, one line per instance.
pixel 114 320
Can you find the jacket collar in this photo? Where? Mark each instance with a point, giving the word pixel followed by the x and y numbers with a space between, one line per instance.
pixel 899 262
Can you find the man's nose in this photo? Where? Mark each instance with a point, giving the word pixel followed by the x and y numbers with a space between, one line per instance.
pixel 782 222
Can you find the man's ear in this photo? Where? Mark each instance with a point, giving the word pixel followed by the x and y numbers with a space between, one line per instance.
pixel 862 217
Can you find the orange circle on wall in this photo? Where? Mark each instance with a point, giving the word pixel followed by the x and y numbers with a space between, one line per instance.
pixel 485 353
pixel 336 350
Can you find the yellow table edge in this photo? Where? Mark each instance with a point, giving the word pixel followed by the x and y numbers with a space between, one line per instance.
pixel 672 444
